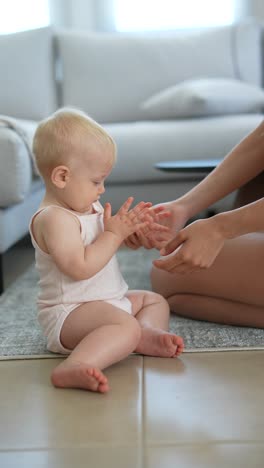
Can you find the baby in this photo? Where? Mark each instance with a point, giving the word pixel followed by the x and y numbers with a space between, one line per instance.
pixel 84 306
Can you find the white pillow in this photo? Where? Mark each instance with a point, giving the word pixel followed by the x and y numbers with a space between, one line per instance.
pixel 204 97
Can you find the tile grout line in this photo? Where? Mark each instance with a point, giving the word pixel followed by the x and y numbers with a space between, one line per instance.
pixel 143 417
pixel 186 351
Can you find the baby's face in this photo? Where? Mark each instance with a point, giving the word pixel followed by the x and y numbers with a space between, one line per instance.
pixel 86 184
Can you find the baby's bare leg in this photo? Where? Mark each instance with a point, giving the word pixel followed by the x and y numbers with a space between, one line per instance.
pixel 152 312
pixel 229 292
pixel 99 335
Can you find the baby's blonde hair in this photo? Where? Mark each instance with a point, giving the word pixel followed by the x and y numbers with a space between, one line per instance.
pixel 59 136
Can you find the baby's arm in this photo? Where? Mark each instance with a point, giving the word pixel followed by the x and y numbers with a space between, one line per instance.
pixel 62 239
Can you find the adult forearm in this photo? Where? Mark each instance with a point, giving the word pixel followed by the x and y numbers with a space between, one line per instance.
pixel 241 221
pixel 242 164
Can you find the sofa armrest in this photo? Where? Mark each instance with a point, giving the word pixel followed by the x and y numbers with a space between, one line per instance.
pixel 15 168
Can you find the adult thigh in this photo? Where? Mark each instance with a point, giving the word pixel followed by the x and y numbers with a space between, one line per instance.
pixel 237 274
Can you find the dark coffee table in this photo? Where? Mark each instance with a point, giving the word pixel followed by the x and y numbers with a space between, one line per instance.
pixel 193 165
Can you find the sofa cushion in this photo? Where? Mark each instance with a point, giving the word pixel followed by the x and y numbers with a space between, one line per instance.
pixel 14 220
pixel 205 97
pixel 16 165
pixel 110 75
pixel 142 144
pixel 247 43
pixel 27 86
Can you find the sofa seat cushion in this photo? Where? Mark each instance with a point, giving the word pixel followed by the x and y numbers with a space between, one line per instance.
pixel 16 164
pixel 142 144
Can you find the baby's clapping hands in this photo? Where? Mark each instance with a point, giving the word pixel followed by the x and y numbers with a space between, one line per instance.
pixel 128 221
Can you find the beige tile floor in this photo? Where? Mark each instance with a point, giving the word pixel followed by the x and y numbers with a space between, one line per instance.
pixel 204 410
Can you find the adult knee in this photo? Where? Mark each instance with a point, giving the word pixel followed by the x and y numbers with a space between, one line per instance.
pixel 178 302
pixel 156 283
pixel 161 282
pixel 168 284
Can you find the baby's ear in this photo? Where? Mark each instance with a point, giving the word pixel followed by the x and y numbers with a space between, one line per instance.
pixel 60 176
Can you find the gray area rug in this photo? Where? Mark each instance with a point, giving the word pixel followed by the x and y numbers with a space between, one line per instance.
pixel 21 338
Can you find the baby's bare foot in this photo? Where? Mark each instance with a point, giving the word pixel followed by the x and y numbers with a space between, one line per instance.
pixel 78 375
pixel 156 342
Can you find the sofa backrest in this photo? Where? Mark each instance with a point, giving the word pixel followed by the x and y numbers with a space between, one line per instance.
pixel 110 75
pixel 27 85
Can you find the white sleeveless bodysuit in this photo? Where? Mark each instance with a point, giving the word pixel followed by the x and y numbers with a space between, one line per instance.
pixel 59 294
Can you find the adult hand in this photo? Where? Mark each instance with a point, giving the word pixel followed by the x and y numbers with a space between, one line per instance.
pixel 193 248
pixel 129 220
pixel 173 215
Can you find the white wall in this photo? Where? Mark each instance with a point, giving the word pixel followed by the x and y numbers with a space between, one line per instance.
pixel 93 15
pixel 97 15
pixel 255 8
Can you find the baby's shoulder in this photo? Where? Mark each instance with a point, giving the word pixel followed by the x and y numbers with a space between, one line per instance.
pixel 51 223
pixel 56 216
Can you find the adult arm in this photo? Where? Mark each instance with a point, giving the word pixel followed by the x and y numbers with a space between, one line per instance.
pixel 243 163
pixel 197 245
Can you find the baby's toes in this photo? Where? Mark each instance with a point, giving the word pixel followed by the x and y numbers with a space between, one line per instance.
pixel 99 376
pixel 169 343
pixel 103 387
pixel 180 345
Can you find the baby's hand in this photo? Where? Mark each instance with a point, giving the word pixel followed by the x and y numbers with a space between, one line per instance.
pixel 128 221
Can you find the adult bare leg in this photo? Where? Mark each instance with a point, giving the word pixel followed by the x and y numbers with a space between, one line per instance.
pixel 231 291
